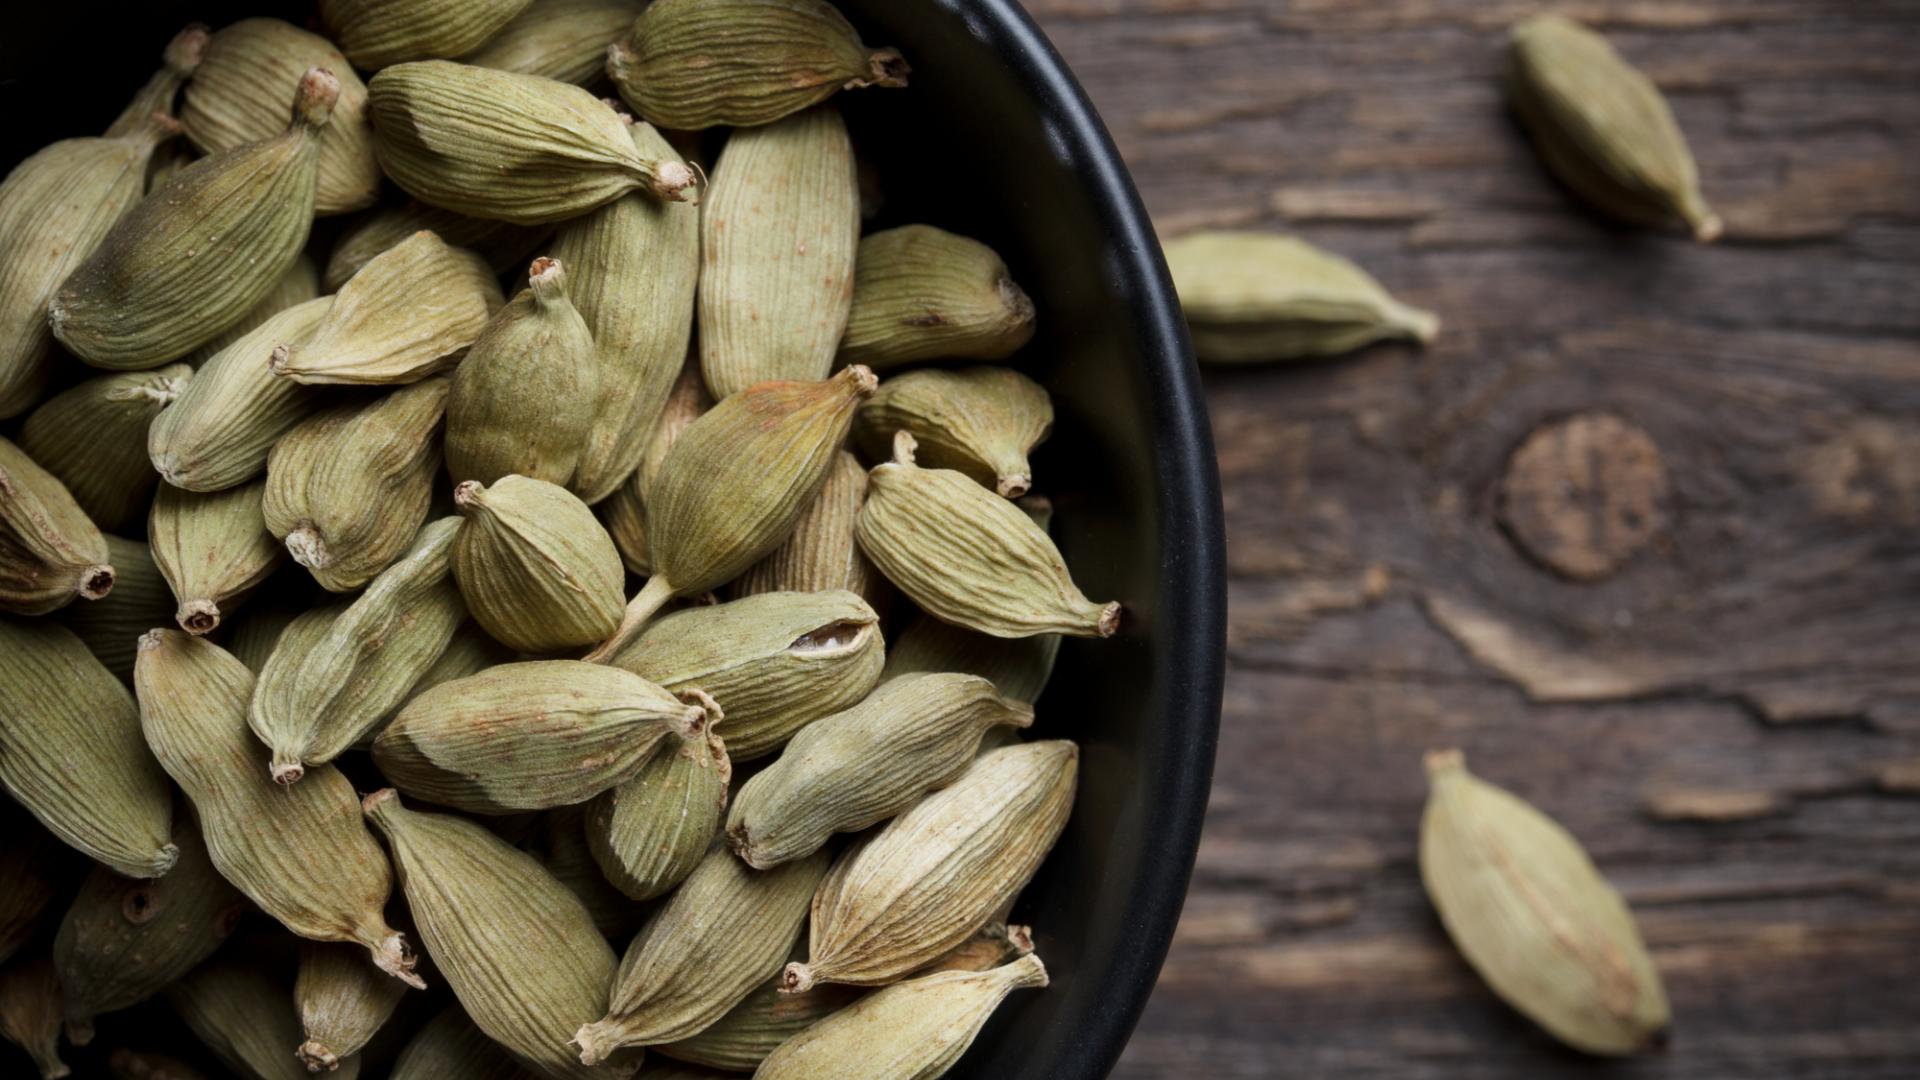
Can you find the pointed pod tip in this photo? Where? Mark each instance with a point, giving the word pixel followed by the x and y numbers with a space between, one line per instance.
pixel 1441 762
pixel 885 67
pixel 796 978
pixel 96 581
pixel 466 494
pixel 904 446
pixel 374 803
pixel 313 101
pixel 317 1057
pixel 286 772
pixel 1014 485
pixel 80 1031
pixel 589 1039
pixel 187 49
pixel 1109 623
pixel 864 381
pixel 676 181
pixel 198 617
pixel 1709 228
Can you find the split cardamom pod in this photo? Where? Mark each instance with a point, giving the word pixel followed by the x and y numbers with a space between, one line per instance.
pixel 501 244
pixel 376 33
pixel 537 570
pixel 647 833
pixel 297 851
pixel 1252 297
pixel 982 421
pixel 779 228
pixel 559 39
pixel 624 512
pixel 93 439
pixel 299 284
pixel 450 1046
pixel 822 554
pixel 31 865
pixel 921 293
pixel 246 1018
pixel 693 64
pixel 560 843
pixel 742 1039
pixel 30 1013
pixel 342 1001
pixel 50 551
pixel 1603 127
pixel 1017 667
pixel 923 884
pixel 213 548
pixel 1534 917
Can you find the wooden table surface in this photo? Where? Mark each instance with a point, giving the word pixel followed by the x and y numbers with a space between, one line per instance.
pixel 1639 533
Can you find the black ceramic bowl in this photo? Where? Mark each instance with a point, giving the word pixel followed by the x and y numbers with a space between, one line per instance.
pixel 995 140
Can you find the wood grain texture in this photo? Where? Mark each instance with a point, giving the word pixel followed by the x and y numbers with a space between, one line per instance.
pixel 1639 533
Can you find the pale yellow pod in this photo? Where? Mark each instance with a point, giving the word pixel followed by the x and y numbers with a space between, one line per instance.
pixel 376 33
pixel 50 551
pixel 921 293
pixel 343 1001
pixel 93 438
pixel 982 421
pixel 559 39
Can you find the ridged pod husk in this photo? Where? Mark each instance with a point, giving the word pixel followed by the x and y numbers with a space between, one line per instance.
pixel 921 293
pixel 376 33
pixel 861 766
pixel 740 1040
pixel 560 843
pixel 1018 667
pixel 519 950
pixel 50 551
pixel 722 932
pixel 316 699
pixel 969 557
pixel 915 1030
pixel 647 833
pixel 1251 297
pixel 300 852
pixel 125 1064
pixel 502 244
pixel 63 200
pixel 246 1018
pixel 994 944
pixel 779 228
pixel 407 314
pixel 624 512
pixel 822 554
pixel 634 264
pixel 450 1046
pixel 342 1001
pixel 530 736
pixel 70 751
pixel 469 652
pixel 30 1013
pixel 537 570
pixel 1534 917
pixel 218 432
pixel 123 940
pixel 196 256
pixel 30 864
pixel 923 885
pixel 348 489
pixel 519 148
pixel 1603 127
pixel 776 662
pixel 523 399
pixel 238 95
pixel 693 64
pixel 93 439
pixel 559 39
pixel 982 421
pixel 213 548
pixel 299 284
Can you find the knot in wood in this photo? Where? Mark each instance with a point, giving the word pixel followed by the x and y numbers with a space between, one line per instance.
pixel 1583 494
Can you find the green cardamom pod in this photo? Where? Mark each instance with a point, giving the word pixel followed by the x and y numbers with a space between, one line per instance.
pixel 30 1013
pixel 213 548
pixel 1534 917
pixel 925 883
pixel 693 64
pixel 469 652
pixel 167 160
pixel 50 551
pixel 559 39
pixel 376 33
pixel 342 1001
pixel 125 1064
pixel 857 768
pixel 779 228
pixel 523 399
pixel 1603 127
pixel 316 699
pixel 450 1046
pixel 502 244
pixel 238 96
pixel 260 628
pixel 822 554
pixel 538 572
pixel 722 933
pixel 348 489
pixel 982 421
pixel 519 950
pixel 918 1028
pixel 520 148
pixel 297 851
pixel 1017 667
pixel 624 512
pixel 70 751
pixel 196 256
pixel 246 1018
pixel 742 1039
pixel 969 557
pixel 299 284
pixel 647 833
pixel 777 661
pixel 921 293
pixel 31 865
pixel 560 843
pixel 93 439
pixel 530 736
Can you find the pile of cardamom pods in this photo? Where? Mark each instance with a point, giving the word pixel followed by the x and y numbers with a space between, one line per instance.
pixel 356 525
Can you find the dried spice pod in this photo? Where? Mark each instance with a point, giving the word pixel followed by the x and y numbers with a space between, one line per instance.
pixel 921 293
pixel 238 95
pixel 996 943
pixel 501 244
pixel 348 489
pixel 982 421
pixel 469 652
pixel 778 229
pixel 451 1046
pixel 30 865
pixel 1603 127
pixel 559 39
pixel 560 843
pixel 196 256
pixel 299 284
pixel 1534 917
pixel 30 1013
pixel 926 1025
pixel 376 33
pixel 524 397
pixel 407 314
pixel 213 548
pixel 693 64
pixel 70 751
pixel 317 698
pixel 969 557
pixel 650 831
pixel 918 888
pixel 93 439
pixel 300 852
pixel 218 432
pixel 722 932
pixel 1252 297
pixel 821 554
pixel 245 1017
pixel 519 148
pixel 530 736
pixel 519 950
pixel 537 570
pixel 740 1040
pixel 862 766
pixel 125 1064
pixel 624 512
pixel 342 1001
pixel 50 551
pixel 123 940
pixel 1018 667
pixel 776 661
